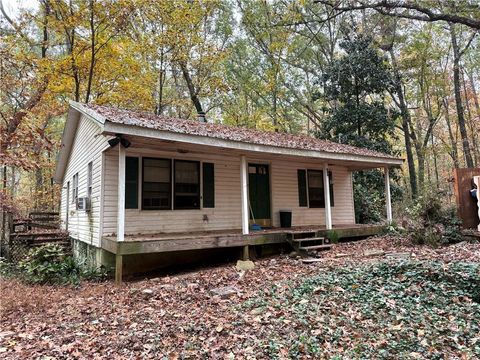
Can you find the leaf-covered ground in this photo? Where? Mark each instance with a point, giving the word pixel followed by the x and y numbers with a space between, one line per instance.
pixel 352 304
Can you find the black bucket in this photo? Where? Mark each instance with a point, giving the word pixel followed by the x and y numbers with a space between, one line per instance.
pixel 285 218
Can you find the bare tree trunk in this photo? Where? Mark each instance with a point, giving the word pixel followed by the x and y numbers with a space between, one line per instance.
pixel 161 83
pixel 421 167
pixel 46 12
pixel 458 98
pixel 474 93
pixel 453 142
pixel 92 51
pixel 405 126
pixel 435 165
pixel 470 121
pixel 191 88
pixel 3 238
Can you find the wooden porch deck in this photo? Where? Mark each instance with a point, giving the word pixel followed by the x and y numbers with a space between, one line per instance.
pixel 166 242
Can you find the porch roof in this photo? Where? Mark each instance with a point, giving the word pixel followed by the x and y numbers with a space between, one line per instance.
pixel 140 124
pixel 126 121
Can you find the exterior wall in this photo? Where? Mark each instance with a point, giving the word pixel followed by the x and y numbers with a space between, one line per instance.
pixel 284 187
pixel 225 215
pixel 227 211
pixel 88 146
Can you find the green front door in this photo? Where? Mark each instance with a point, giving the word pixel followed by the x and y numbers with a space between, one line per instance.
pixel 259 194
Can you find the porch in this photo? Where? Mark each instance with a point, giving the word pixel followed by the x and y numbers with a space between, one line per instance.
pixel 182 241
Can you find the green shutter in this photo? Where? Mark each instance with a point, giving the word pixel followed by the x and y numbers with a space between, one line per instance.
pixel 131 183
pixel 302 188
pixel 208 185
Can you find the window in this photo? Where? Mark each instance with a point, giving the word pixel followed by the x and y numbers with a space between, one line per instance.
pixel 75 188
pixel 131 183
pixel 302 188
pixel 156 184
pixel 68 192
pixel 89 179
pixel 187 185
pixel 208 185
pixel 310 188
pixel 316 197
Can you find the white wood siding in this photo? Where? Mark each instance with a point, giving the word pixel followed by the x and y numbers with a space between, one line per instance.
pixel 225 215
pixel 284 184
pixel 88 146
pixel 227 211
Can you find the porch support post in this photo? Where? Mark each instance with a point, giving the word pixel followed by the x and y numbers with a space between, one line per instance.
pixel 121 194
pixel 118 269
pixel 388 197
pixel 326 193
pixel 244 191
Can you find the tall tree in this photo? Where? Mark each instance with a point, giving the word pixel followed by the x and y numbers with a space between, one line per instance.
pixel 356 85
pixel 457 54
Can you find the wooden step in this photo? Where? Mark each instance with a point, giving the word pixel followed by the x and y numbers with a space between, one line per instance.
pixel 51 239
pixel 315 247
pixel 60 243
pixel 309 239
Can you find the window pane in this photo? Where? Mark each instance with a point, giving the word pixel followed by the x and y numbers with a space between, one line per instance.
pixel 316 197
pixel 187 185
pixel 156 170
pixel 315 179
pixel 186 172
pixel 156 187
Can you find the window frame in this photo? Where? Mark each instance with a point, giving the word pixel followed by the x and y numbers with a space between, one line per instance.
pixel 199 184
pixel 308 190
pixel 90 179
pixel 75 188
pixel 170 200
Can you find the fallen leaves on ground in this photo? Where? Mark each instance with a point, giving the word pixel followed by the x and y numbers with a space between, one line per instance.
pixel 349 305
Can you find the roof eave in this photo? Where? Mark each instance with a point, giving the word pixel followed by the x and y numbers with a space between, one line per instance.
pixel 75 111
pixel 116 128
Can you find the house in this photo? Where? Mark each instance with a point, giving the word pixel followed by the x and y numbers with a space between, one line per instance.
pixel 135 184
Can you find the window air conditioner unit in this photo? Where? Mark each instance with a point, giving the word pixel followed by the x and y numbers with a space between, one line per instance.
pixel 83 203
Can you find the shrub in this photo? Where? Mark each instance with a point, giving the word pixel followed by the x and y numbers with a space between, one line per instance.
pixel 333 236
pixel 392 229
pixel 432 223
pixel 6 268
pixel 50 265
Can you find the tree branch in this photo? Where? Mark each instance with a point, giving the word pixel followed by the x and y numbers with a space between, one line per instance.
pixel 421 13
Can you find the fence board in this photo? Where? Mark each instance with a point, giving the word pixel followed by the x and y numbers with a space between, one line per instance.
pixel 466 205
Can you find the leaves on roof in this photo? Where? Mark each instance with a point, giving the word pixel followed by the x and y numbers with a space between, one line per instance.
pixel 226 132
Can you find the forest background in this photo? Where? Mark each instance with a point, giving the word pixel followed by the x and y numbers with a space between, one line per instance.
pixel 398 76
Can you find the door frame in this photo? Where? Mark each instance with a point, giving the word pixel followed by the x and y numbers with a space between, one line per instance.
pixel 261 222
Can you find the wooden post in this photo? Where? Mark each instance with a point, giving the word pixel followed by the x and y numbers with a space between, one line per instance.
pixel 246 255
pixel 121 194
pixel 244 192
pixel 118 269
pixel 326 193
pixel 476 180
pixel 388 197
